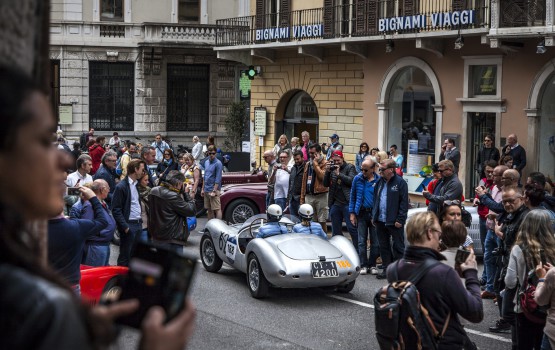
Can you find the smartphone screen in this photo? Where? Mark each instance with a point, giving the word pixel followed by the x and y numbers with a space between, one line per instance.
pixel 157 276
pixel 461 256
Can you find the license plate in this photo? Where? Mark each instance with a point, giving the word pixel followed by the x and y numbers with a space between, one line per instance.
pixel 324 269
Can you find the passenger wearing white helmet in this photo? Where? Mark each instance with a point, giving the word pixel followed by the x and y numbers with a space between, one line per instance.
pixel 272 227
pixel 307 225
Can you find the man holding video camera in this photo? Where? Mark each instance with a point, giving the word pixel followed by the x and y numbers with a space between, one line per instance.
pixel 168 212
pixel 339 178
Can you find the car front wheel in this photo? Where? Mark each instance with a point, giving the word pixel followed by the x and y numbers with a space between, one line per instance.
pixel 258 285
pixel 208 255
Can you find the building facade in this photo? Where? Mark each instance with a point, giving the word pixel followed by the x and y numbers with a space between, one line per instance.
pixel 141 67
pixel 403 72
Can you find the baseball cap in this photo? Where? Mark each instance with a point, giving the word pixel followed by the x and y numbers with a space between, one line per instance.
pixel 337 153
pixel 334 136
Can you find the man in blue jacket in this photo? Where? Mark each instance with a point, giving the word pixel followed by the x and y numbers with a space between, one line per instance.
pixel 107 172
pixel 391 203
pixel 126 209
pixel 360 215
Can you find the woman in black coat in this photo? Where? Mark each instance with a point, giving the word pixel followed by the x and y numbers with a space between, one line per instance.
pixel 166 165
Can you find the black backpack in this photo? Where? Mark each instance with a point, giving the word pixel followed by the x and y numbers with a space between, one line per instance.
pixel 402 322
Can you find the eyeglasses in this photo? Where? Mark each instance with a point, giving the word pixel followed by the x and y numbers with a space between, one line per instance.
pixel 442 170
pixel 381 170
pixel 213 153
pixel 449 203
pixel 111 160
pixel 365 170
pixel 510 200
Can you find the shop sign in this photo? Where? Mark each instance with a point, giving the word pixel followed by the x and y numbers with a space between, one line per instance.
pixel 65 114
pixel 484 80
pixel 435 20
pixel 260 121
pixel 295 32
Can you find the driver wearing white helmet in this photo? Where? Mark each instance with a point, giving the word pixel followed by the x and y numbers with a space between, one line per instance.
pixel 306 225
pixel 272 227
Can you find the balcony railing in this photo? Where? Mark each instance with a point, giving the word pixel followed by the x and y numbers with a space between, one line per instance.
pixel 132 34
pixel 522 13
pixel 367 18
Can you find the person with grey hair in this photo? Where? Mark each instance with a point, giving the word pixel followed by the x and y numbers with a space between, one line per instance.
pixel 82 175
pixel 148 154
pixel 169 207
pixel 107 172
pixel 97 248
pixel 197 149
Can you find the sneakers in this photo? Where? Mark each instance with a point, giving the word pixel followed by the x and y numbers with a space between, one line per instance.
pixel 374 271
pixel 488 295
pixel 501 326
pixel 364 271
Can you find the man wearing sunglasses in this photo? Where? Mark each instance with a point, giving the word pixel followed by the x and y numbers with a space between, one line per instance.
pixel 213 169
pixel 487 152
pixel 451 187
pixel 389 214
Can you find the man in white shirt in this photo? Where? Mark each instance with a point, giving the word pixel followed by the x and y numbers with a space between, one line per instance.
pixel 197 149
pixel 281 185
pixel 160 147
pixel 81 176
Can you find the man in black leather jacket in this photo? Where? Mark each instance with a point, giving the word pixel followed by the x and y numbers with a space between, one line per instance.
pixel 167 217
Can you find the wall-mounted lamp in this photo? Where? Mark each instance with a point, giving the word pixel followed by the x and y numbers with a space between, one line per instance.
pixel 541 49
pixel 389 46
pixel 459 42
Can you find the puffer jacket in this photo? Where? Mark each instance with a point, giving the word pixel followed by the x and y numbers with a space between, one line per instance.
pixel 318 179
pixel 167 215
pixel 341 182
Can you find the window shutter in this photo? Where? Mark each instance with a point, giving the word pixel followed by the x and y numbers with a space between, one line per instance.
pixel 329 19
pixel 260 14
pixel 410 7
pixel 459 5
pixel 285 13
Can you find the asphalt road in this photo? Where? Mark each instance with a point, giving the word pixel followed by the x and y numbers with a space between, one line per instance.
pixel 229 318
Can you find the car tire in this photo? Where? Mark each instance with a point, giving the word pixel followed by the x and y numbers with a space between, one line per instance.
pixel 257 283
pixel 240 210
pixel 347 287
pixel 116 240
pixel 208 255
pixel 111 291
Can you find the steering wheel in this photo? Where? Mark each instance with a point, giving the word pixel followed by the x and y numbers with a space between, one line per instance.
pixel 252 223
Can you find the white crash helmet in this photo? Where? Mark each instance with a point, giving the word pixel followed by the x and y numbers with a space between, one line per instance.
pixel 274 212
pixel 306 212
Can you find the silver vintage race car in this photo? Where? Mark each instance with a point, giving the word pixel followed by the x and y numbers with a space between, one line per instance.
pixel 291 260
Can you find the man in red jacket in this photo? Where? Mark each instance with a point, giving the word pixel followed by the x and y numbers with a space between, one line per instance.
pixel 96 151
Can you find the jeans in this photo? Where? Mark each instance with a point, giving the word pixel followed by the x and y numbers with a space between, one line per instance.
pixel 365 228
pixel 282 202
pixel 294 207
pixel 338 214
pixel 546 345
pixel 144 235
pixel 269 199
pixel 490 261
pixel 483 233
pixel 96 254
pixel 170 246
pixel 388 251
pixel 127 243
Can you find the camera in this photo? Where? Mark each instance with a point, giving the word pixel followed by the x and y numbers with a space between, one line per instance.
pixel 73 191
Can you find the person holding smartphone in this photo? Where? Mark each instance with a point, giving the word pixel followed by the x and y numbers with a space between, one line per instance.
pixel 60 320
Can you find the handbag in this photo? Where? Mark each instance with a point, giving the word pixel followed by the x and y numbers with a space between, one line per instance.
pixel 466 217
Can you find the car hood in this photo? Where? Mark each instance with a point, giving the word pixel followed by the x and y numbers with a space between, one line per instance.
pixel 304 247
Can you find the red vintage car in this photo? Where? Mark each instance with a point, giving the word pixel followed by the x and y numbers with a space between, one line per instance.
pixel 231 179
pixel 101 282
pixel 242 201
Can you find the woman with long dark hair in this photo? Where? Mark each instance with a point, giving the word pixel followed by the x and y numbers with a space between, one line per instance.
pixel 38 309
pixel 535 241
pixel 363 151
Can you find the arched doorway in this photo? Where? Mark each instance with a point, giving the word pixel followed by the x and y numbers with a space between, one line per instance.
pixel 410 116
pixel 546 137
pixel 299 113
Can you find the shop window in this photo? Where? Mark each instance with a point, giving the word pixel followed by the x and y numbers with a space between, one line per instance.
pixel 111 96
pixel 189 11
pixel 412 120
pixel 111 10
pixel 483 80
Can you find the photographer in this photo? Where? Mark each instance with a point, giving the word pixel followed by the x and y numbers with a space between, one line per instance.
pixel 339 178
pixel 168 212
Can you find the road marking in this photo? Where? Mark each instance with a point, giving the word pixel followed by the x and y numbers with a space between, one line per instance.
pixel 472 331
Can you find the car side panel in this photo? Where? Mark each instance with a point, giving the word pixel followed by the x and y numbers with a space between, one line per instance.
pixel 221 232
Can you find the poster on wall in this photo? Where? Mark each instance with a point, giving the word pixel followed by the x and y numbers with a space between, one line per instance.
pixel 415 161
